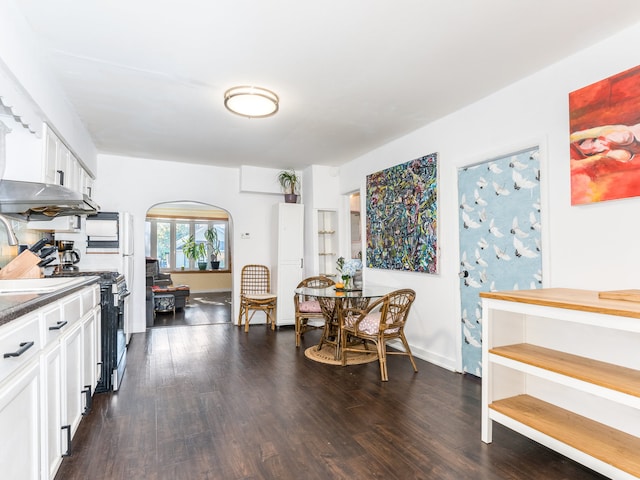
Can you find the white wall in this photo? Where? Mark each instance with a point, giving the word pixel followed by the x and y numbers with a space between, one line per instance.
pixel 134 185
pixel 20 55
pixel 591 246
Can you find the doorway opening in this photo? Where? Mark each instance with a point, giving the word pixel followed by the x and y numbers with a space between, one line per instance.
pixel 188 264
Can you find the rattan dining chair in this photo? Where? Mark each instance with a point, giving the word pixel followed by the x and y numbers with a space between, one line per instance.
pixel 381 321
pixel 256 296
pixel 307 307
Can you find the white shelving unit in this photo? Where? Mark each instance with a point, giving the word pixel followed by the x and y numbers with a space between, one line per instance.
pixel 561 367
pixel 327 242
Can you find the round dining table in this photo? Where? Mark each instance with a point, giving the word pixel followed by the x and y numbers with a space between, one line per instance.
pixel 334 300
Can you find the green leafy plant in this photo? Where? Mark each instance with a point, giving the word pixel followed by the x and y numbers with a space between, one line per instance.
pixel 289 181
pixel 196 251
pixel 213 242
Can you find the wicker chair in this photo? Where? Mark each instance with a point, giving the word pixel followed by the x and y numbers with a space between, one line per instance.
pixel 256 296
pixel 307 306
pixel 382 320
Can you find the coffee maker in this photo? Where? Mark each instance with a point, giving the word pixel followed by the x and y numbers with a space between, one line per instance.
pixel 69 256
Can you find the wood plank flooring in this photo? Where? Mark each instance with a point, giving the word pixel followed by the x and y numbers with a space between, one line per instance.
pixel 201 309
pixel 211 402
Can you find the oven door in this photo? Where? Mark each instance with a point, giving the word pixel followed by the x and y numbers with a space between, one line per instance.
pixel 121 339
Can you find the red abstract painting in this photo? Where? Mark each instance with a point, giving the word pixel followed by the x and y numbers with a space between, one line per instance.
pixel 605 139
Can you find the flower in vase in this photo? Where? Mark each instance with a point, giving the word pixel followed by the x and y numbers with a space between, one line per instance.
pixel 348 268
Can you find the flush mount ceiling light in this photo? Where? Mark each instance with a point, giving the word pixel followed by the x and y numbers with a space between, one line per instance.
pixel 251 102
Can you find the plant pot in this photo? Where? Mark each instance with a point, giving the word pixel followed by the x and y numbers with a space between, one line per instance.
pixel 215 265
pixel 290 198
pixel 202 265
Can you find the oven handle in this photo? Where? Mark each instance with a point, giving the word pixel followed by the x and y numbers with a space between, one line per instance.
pixel 118 297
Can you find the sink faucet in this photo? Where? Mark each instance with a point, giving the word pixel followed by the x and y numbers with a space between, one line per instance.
pixel 11 235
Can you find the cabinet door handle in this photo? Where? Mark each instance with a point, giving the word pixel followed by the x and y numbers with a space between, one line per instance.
pixel 61 176
pixel 87 403
pixel 58 325
pixel 24 346
pixel 68 429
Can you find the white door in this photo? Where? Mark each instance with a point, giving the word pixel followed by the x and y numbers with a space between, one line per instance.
pixel 500 240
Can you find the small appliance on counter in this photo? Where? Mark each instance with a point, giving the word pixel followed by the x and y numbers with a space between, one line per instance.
pixel 69 256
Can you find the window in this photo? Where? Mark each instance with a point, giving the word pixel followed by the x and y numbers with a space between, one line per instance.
pixel 166 236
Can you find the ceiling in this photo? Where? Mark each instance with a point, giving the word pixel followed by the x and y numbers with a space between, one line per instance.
pixel 147 77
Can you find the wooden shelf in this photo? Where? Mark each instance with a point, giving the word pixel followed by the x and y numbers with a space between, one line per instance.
pixel 581 397
pixel 326 232
pixel 607 375
pixel 568 298
pixel 592 438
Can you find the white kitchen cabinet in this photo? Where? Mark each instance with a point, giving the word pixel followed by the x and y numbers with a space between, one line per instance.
pixel 43 373
pixel 54 439
pixel 19 345
pixel 61 167
pixel 72 377
pixel 288 270
pixel 560 366
pixel 50 160
pixel 20 424
pixel 91 354
pixel 70 368
pixel 45 160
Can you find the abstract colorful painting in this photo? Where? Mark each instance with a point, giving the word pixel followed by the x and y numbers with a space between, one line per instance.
pixel 605 139
pixel 402 216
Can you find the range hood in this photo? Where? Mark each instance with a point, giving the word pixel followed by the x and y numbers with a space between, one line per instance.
pixel 42 201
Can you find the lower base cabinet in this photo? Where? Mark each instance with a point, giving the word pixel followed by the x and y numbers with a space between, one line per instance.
pixel 48 387
pixel 52 418
pixel 20 426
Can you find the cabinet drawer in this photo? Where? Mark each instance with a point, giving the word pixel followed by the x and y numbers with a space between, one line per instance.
pixel 72 308
pixel 19 342
pixel 89 299
pixel 54 324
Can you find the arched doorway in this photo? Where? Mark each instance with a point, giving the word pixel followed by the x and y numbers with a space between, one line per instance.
pixel 188 264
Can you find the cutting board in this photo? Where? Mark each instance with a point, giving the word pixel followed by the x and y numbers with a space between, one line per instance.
pixel 24 265
pixel 629 295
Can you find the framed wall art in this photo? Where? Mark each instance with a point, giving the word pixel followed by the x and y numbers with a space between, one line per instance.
pixel 604 142
pixel 402 216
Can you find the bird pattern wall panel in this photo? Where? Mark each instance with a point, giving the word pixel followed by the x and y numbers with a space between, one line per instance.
pixel 500 247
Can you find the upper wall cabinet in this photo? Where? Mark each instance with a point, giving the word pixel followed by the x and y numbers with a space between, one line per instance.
pixel 46 160
pixel 23 152
pixel 61 167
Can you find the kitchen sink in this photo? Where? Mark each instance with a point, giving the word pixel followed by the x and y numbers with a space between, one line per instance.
pixel 37 285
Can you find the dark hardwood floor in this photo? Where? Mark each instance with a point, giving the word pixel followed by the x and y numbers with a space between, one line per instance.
pixel 211 402
pixel 201 309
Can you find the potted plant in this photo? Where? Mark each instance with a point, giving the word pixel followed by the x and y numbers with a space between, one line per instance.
pixel 196 251
pixel 289 182
pixel 211 235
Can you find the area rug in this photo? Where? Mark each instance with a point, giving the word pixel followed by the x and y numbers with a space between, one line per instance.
pixel 327 355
